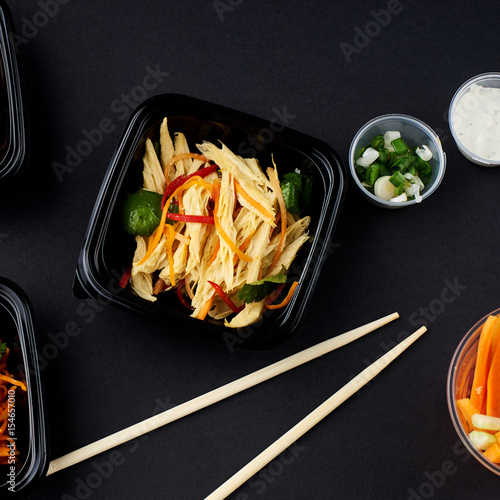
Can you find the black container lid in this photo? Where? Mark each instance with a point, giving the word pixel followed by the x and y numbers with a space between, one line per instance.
pixel 13 121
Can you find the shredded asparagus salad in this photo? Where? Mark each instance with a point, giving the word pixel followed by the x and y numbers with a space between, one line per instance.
pixel 216 229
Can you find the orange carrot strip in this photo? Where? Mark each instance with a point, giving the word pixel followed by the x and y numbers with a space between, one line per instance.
pixel 206 307
pixel 275 184
pixel 493 391
pixel 493 453
pixel 251 201
pixel 170 242
pixel 245 244
pixel 11 380
pixel 286 300
pixel 156 236
pixel 182 156
pixel 467 409
pixel 221 231
pixel 479 384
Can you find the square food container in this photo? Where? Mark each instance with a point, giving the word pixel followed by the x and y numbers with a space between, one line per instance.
pixel 27 421
pixel 108 250
pixel 13 119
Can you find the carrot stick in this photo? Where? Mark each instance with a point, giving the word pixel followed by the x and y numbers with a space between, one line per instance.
pixel 206 307
pixel 493 391
pixel 493 453
pixel 479 385
pixel 467 409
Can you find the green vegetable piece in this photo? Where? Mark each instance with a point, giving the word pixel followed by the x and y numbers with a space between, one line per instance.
pixel 424 169
pixel 378 142
pixel 297 192
pixel 372 174
pixel 383 155
pixel 385 170
pixel 259 290
pixel 400 147
pixel 361 172
pixel 141 212
pixel 404 162
pixel 397 179
pixel 399 190
pixel 3 347
pixel 291 193
pixel 411 169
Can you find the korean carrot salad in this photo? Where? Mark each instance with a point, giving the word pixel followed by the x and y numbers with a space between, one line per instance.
pixel 212 227
pixel 11 390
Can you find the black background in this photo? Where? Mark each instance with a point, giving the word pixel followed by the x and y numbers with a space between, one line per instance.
pixel 260 56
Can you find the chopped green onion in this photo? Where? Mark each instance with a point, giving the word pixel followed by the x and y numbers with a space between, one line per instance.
pixel 372 174
pixel 397 179
pixel 383 155
pixel 378 142
pixel 400 147
pixel 385 170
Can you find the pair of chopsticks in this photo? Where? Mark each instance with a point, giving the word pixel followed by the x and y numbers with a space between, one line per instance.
pixel 246 382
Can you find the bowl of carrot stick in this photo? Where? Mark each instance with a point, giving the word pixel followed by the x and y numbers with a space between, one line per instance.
pixel 473 391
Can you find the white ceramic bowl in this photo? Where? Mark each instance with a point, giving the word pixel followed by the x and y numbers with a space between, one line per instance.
pixel 485 80
pixel 415 133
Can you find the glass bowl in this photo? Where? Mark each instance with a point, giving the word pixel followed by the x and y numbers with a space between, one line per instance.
pixel 491 80
pixel 460 376
pixel 415 132
pixel 107 250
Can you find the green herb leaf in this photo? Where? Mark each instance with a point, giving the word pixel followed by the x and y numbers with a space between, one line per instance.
pixel 259 290
pixel 3 347
pixel 297 192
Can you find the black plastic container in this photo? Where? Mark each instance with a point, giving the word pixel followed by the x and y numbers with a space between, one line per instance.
pixel 13 119
pixel 107 250
pixel 29 422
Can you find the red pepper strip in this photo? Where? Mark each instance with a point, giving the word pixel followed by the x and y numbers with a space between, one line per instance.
pixel 202 219
pixel 179 181
pixel 126 276
pixel 181 296
pixel 226 299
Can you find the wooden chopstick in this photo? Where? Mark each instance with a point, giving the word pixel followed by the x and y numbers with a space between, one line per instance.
pixel 312 419
pixel 214 396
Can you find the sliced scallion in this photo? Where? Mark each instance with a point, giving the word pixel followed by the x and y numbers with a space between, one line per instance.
pixel 399 145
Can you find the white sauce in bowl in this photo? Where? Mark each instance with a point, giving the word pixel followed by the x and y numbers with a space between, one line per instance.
pixel 477 121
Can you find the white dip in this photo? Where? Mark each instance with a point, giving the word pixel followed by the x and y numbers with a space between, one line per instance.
pixel 477 121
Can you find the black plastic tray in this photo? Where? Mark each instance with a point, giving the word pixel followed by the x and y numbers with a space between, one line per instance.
pixel 30 429
pixel 14 149
pixel 107 250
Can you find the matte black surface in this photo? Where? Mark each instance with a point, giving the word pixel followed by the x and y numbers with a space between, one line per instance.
pixel 86 66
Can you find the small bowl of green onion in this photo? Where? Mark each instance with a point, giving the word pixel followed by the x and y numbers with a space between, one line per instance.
pixel 396 161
